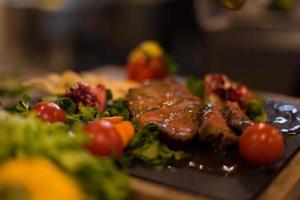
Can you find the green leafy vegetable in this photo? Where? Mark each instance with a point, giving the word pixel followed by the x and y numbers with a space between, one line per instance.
pixel 116 108
pixel 67 104
pixel 22 137
pixel 255 110
pixel 22 106
pixel 78 112
pixel 147 147
pixel 87 113
pixel 196 86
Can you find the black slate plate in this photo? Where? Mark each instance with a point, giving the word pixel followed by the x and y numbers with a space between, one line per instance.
pixel 226 176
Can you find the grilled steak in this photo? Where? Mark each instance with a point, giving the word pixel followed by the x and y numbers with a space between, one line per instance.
pixel 236 117
pixel 221 123
pixel 214 128
pixel 179 114
pixel 167 104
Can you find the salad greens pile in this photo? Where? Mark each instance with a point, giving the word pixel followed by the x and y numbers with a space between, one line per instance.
pixel 77 112
pixel 147 147
pixel 20 137
pixel 116 108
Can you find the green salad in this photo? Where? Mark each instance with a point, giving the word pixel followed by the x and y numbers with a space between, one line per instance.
pixel 30 137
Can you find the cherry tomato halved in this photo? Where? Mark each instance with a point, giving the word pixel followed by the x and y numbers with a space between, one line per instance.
pixel 105 139
pixel 50 112
pixel 261 143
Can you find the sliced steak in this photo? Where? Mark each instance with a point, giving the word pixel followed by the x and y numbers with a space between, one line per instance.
pixel 167 104
pixel 222 123
pixel 236 117
pixel 214 128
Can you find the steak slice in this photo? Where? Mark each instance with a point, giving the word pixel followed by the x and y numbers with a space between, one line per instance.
pixel 222 123
pixel 167 104
pixel 214 128
pixel 236 117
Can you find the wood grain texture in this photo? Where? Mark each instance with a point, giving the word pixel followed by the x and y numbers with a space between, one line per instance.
pixel 286 186
pixel 145 190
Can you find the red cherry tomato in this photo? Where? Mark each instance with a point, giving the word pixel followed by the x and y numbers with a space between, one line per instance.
pixel 146 68
pixel 49 112
pixel 261 143
pixel 105 139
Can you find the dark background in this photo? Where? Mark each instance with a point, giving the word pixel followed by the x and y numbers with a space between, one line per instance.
pixel 262 53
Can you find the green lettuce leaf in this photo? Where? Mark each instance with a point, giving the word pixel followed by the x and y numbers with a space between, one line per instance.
pixel 22 106
pixel 147 147
pixel 24 137
pixel 117 108
pixel 77 112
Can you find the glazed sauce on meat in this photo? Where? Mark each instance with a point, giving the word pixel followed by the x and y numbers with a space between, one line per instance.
pixel 284 116
pixel 175 111
pixel 169 105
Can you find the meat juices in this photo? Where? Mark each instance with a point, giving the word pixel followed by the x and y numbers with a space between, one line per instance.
pixel 169 105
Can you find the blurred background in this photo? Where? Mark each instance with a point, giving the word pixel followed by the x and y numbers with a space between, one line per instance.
pixel 258 45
